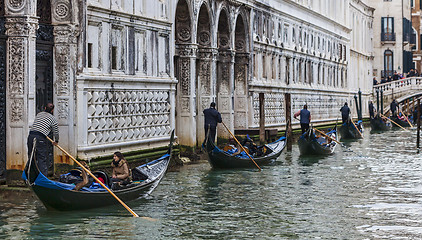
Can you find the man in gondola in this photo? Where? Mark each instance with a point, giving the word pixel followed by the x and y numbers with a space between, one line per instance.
pixel 345 112
pixel 305 118
pixel 371 110
pixel 394 107
pixel 43 125
pixel 212 118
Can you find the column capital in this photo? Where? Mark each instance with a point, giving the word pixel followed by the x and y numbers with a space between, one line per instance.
pixel 22 26
pixel 65 34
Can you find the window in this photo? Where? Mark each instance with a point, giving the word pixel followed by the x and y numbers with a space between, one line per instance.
pixel 388 63
pixel 387 29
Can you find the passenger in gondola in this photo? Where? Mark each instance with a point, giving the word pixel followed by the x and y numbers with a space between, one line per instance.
pixel 120 175
pixel 305 118
pixel 345 112
pixel 371 110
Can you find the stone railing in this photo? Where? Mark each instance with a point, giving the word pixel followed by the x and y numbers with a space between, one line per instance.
pixel 398 88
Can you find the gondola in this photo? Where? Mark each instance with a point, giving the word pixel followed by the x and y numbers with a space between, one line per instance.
pixel 399 121
pixel 310 144
pixel 222 159
pixel 379 124
pixel 349 131
pixel 60 196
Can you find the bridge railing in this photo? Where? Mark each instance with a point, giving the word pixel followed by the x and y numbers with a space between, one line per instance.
pixel 397 86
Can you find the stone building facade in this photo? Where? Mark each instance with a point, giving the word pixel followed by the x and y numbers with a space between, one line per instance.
pixel 124 73
pixel 416 34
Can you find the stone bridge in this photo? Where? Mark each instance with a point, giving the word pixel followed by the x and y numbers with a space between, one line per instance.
pixel 405 91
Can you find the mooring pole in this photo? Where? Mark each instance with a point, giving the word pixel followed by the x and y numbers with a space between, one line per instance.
pixel 378 100
pixel 419 125
pixel 287 99
pixel 382 102
pixel 360 105
pixel 261 118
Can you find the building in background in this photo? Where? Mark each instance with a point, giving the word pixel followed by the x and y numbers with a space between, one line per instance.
pixel 392 34
pixel 416 38
pixel 122 74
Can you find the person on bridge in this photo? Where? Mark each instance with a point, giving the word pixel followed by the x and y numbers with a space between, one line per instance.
pixel 345 112
pixel 394 106
pixel 305 118
pixel 371 110
pixel 212 118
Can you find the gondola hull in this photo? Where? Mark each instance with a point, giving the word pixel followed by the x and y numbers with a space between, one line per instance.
pixel 309 145
pixel 349 131
pixel 220 159
pixel 400 122
pixel 60 196
pixel 378 124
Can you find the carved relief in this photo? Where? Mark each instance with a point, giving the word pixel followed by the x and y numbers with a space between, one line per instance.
pixel 21 27
pixel 16 65
pixel 62 10
pixel 66 34
pixel 16 110
pixel 185 76
pixel 62 53
pixel 15 5
pixel 183 28
pixel 205 77
pixel 63 108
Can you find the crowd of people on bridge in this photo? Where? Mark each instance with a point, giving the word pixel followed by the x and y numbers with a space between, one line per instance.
pixel 396 76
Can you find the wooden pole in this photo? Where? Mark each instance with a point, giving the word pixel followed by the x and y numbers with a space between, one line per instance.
pixel 356 128
pixel 287 99
pixel 419 124
pixel 96 179
pixel 241 146
pixel 405 117
pixel 261 118
pixel 328 136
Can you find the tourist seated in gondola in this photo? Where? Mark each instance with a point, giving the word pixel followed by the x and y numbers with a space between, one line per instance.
pixel 120 175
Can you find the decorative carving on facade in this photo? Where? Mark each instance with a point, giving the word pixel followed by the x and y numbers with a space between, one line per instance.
pixel 15 5
pixel 274 108
pixel 62 10
pixel 16 65
pixel 205 76
pixel 185 104
pixel 63 108
pixel 65 34
pixel 185 76
pixel 127 115
pixel 16 110
pixel 21 26
pixel 62 75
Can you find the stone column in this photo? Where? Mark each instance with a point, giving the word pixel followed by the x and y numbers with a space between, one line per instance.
pixel 21 26
pixel 64 74
pixel 186 122
pixel 205 91
pixel 241 91
pixel 225 89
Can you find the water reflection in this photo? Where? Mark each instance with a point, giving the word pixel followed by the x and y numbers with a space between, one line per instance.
pixel 370 192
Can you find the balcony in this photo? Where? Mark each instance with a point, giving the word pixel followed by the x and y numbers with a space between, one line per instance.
pixel 390 37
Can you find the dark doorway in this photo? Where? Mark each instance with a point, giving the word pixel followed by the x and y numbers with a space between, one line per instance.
pixel 44 63
pixel 2 95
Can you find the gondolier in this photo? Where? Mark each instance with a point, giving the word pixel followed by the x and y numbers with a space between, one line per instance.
pixel 371 110
pixel 345 112
pixel 44 124
pixel 212 118
pixel 305 118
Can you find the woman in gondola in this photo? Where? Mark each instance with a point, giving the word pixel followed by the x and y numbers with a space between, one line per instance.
pixel 120 167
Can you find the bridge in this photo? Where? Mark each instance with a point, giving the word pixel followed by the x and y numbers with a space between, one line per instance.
pixel 406 92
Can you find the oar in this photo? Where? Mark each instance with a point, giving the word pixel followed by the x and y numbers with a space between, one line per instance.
pixel 393 122
pixel 96 179
pixel 356 128
pixel 241 146
pixel 406 118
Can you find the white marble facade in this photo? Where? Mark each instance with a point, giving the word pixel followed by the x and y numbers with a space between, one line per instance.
pixel 127 72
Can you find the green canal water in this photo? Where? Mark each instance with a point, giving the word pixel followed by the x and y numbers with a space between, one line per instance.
pixel 371 192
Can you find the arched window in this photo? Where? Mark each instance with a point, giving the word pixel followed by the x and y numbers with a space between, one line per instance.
pixel 388 63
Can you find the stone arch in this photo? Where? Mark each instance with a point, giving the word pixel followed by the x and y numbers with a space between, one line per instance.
pixel 225 69
pixel 183 24
pixel 241 48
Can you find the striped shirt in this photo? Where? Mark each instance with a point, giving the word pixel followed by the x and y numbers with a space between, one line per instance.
pixel 45 123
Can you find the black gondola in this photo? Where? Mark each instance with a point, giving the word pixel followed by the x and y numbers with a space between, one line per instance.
pixel 349 131
pixel 379 124
pixel 310 144
pixel 61 196
pixel 221 159
pixel 401 122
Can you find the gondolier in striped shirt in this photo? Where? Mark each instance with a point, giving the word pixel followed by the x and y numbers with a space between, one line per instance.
pixel 44 124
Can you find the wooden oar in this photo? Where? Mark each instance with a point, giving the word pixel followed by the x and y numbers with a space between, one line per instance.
pixel 325 135
pixel 241 146
pixel 96 179
pixel 356 128
pixel 406 118
pixel 393 122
